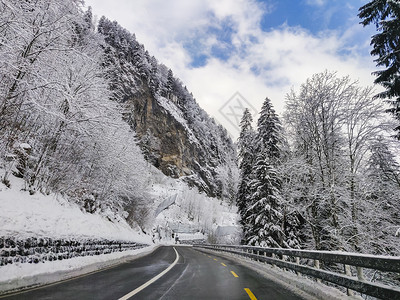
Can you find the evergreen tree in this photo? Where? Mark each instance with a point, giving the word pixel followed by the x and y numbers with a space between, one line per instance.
pixel 264 218
pixel 170 84
pixel 264 214
pixel 385 14
pixel 383 165
pixel 269 131
pixel 383 187
pixel 246 157
pixel 154 80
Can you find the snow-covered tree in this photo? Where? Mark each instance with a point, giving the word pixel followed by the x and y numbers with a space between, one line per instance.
pixel 269 134
pixel 332 122
pixel 262 200
pixel 169 88
pixel 379 216
pixel 264 217
pixel 246 156
pixel 314 117
pixel 385 14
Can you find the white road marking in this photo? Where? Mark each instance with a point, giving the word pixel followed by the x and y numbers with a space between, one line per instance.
pixel 143 286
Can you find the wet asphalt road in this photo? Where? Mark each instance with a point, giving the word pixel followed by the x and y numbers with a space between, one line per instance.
pixel 196 275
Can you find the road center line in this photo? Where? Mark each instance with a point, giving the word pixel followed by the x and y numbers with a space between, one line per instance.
pixel 234 274
pixel 143 286
pixel 251 295
pixel 223 264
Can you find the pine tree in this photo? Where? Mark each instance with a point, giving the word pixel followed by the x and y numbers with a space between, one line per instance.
pixel 385 14
pixel 264 218
pixel 246 157
pixel 269 131
pixel 170 84
pixel 383 187
pixel 264 212
pixel 154 80
pixel 383 164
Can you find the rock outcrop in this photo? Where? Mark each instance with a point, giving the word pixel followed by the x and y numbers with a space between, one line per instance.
pixel 174 133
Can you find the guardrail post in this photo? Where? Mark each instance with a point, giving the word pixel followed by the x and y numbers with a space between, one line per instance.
pixel 298 263
pixel 316 264
pixel 348 273
pixel 273 256
pixel 360 274
pixel 285 258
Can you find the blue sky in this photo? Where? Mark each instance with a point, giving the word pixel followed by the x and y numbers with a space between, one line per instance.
pixel 312 15
pixel 259 48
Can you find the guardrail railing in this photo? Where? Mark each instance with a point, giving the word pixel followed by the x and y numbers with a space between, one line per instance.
pixel 281 258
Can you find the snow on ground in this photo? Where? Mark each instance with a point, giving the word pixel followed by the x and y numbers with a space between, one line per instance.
pixel 300 285
pixel 23 215
pixel 19 275
pixel 173 208
pixel 183 210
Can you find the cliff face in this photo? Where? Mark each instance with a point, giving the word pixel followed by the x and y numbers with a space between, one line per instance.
pixel 169 143
pixel 163 139
pixel 174 133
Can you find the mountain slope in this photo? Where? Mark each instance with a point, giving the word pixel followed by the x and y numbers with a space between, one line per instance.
pixel 175 134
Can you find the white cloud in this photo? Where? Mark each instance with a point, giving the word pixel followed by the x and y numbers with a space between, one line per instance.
pixel 316 2
pixel 263 64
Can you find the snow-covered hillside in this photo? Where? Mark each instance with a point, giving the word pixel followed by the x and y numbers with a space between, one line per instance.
pixel 174 209
pixel 172 206
pixel 182 210
pixel 89 137
pixel 52 216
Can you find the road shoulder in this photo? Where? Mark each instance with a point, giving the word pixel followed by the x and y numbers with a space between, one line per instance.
pixel 59 271
pixel 299 285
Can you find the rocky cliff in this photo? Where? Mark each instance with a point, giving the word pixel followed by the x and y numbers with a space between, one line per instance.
pixel 174 133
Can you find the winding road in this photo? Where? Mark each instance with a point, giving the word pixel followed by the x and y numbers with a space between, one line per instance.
pixel 167 273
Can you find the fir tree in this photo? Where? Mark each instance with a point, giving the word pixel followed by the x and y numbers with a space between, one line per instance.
pixel 385 14
pixel 264 216
pixel 269 131
pixel 383 165
pixel 264 212
pixel 383 186
pixel 246 157
pixel 154 80
pixel 170 84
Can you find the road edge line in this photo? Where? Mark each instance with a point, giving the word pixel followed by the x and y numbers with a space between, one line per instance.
pixel 44 280
pixel 143 286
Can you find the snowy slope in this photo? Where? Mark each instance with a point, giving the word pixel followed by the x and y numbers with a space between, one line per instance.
pixel 180 209
pixel 172 205
pixel 23 215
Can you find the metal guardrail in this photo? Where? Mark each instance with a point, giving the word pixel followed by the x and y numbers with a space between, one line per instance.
pixel 280 257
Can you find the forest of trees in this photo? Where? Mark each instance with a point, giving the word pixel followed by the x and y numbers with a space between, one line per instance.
pixel 58 129
pixel 329 178
pixel 325 176
pixel 325 180
pixel 64 124
pixel 134 74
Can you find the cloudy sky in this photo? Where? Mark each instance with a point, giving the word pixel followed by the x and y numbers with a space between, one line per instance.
pixel 233 53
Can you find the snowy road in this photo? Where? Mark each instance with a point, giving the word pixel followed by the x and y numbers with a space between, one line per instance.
pixel 196 275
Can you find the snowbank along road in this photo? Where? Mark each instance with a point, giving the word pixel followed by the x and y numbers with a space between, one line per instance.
pixel 167 273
